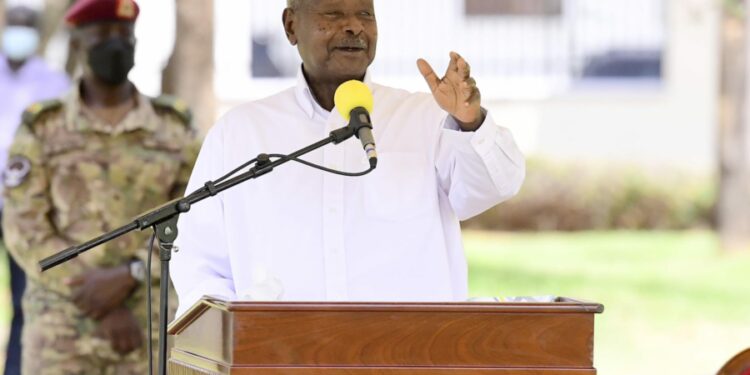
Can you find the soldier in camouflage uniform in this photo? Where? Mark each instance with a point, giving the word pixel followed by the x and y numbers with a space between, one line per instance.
pixel 81 166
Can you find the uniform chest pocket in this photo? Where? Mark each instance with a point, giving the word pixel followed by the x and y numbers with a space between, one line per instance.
pixel 400 188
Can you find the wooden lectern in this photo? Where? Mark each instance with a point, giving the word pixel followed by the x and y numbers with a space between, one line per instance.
pixel 219 337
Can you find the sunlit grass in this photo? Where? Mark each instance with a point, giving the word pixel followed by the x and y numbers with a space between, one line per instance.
pixel 673 304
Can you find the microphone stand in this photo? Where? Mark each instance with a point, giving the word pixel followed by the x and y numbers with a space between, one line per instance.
pixel 164 222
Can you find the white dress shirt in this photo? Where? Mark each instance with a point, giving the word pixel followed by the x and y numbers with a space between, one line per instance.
pixel 300 234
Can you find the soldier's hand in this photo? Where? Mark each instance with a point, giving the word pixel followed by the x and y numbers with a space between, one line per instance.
pixel 122 330
pixel 99 291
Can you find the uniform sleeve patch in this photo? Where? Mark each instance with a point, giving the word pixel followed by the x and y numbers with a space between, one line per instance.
pixel 16 172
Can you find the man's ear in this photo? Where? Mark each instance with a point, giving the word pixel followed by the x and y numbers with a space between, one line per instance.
pixel 289 19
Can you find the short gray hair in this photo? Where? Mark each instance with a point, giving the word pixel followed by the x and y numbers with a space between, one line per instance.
pixel 293 4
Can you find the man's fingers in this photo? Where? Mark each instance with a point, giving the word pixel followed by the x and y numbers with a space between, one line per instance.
pixel 121 343
pixel 475 96
pixel 464 70
pixel 77 297
pixel 73 281
pixel 453 65
pixel 128 343
pixel 468 87
pixel 429 74
pixel 96 314
pixel 131 339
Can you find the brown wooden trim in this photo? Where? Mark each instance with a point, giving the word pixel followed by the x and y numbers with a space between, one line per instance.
pixel 187 369
pixel 736 365
pixel 566 305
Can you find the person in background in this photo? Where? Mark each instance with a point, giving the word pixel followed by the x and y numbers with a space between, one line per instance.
pixel 24 79
pixel 82 165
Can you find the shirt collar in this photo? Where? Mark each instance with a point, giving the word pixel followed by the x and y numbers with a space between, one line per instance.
pixel 80 118
pixel 305 97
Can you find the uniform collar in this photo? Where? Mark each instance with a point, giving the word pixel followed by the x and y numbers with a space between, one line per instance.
pixel 80 118
pixel 305 97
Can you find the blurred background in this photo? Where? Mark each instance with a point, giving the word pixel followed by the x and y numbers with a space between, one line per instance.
pixel 633 117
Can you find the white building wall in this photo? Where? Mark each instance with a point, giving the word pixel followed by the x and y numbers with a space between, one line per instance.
pixel 672 125
pixel 667 124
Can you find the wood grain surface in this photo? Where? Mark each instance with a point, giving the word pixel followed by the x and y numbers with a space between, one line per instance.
pixel 357 338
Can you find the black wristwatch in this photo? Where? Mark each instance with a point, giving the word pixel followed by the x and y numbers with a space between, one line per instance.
pixel 137 270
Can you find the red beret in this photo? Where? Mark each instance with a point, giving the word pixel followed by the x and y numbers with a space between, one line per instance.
pixel 88 11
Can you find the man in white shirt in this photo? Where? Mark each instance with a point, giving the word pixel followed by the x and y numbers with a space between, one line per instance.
pixel 299 234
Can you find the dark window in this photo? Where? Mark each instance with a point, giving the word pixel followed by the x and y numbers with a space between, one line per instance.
pixel 514 7
pixel 624 63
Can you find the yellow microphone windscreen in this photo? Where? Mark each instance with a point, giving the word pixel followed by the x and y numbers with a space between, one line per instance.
pixel 350 95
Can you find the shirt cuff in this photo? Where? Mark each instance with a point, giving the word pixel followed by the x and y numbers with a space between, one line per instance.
pixel 452 124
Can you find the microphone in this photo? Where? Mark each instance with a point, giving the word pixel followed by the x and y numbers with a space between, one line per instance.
pixel 354 102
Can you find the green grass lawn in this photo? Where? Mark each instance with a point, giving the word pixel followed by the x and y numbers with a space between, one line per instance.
pixel 672 304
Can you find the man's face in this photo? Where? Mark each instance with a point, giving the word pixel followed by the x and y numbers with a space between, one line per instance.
pixel 20 38
pixel 106 50
pixel 336 39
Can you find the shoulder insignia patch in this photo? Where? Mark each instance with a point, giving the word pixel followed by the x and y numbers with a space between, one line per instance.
pixel 175 105
pixel 36 110
pixel 16 171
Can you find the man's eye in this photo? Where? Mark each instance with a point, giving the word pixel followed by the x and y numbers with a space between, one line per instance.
pixel 333 14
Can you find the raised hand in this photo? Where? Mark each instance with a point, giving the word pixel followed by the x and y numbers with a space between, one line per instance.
pixel 457 92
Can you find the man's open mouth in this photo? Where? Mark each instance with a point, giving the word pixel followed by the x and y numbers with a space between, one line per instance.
pixel 350 48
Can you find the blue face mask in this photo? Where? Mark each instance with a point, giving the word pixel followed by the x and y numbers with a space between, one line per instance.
pixel 20 42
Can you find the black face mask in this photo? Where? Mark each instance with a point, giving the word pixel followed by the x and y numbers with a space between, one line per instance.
pixel 112 60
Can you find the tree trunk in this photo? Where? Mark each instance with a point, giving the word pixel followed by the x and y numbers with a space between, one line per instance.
pixel 733 210
pixel 51 19
pixel 52 22
pixel 189 74
pixel 2 14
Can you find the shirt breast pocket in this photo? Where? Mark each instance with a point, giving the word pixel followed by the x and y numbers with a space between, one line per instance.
pixel 399 188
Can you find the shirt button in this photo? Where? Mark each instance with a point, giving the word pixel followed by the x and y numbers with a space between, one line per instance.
pixel 332 210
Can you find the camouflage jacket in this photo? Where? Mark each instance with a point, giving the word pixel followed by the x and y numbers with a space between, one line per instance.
pixel 71 177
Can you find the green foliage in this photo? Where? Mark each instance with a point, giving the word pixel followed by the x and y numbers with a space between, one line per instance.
pixel 735 8
pixel 583 197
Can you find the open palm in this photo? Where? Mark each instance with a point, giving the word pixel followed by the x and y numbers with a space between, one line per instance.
pixel 457 92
